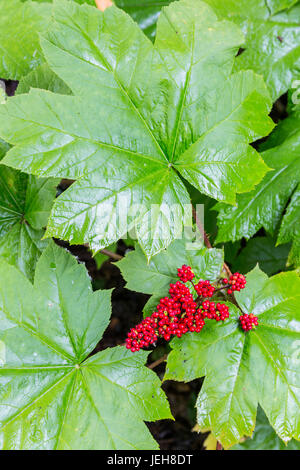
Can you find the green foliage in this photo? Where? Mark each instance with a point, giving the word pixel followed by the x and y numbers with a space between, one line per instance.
pixel 264 206
pixel 272 39
pixel 262 251
pixel 290 228
pixel 143 129
pixel 21 22
pixel 25 203
pixel 20 25
pixel 55 396
pixel 242 370
pixel 144 114
pixel 264 437
pixel 42 77
pixel 271 28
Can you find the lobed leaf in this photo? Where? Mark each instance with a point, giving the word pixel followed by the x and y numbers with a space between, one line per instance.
pixel 155 277
pixel 52 396
pixel 264 437
pixel 139 107
pixel 20 25
pixel 242 370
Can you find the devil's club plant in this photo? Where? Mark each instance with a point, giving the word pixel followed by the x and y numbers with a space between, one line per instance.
pixel 113 134
pixel 166 112
pixel 242 367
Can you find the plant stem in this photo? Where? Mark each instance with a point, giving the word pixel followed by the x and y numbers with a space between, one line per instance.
pixel 112 255
pixel 206 239
pixel 159 361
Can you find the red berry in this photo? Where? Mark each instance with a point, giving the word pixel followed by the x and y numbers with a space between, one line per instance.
pixel 185 273
pixel 204 289
pixel 236 282
pixel 248 321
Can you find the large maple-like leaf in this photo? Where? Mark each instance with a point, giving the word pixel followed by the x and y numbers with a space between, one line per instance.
pixel 274 192
pixel 52 395
pixel 141 117
pixel 25 203
pixel 244 369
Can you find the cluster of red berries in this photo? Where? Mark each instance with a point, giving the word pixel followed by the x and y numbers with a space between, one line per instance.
pixel 215 311
pixel 204 289
pixel 236 282
pixel 185 273
pixel 248 321
pixel 181 313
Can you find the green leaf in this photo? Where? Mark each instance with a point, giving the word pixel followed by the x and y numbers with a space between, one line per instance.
pixel 282 154
pixel 42 77
pixel 4 147
pixel 264 438
pixel 278 5
pixel 244 369
pixel 25 204
pixel 272 39
pixel 272 45
pixel 52 396
pixel 290 228
pixel 156 276
pixel 3 96
pixel 262 250
pixel 143 114
pixel 20 25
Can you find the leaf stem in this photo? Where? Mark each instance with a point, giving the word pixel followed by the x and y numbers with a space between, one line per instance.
pixel 112 255
pixel 159 361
